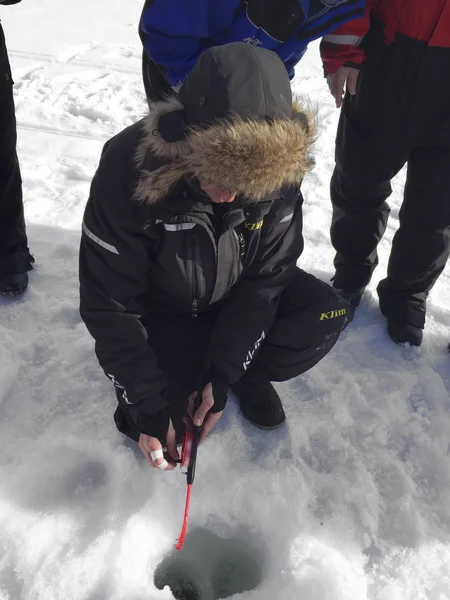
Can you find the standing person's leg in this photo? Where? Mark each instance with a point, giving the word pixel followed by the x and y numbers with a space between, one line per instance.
pixel 15 259
pixel 421 245
pixel 360 214
pixel 371 147
pixel 310 318
pixel 155 84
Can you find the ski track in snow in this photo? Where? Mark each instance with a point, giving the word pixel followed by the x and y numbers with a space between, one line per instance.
pixel 348 502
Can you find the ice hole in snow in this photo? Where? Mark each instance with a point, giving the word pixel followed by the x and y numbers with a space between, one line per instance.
pixel 209 567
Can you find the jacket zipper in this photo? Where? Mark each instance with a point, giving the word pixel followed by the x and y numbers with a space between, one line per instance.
pixel 203 222
pixel 195 299
pixel 242 245
pixel 194 311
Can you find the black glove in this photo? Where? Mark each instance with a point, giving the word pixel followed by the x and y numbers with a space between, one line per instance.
pixel 219 386
pixel 153 425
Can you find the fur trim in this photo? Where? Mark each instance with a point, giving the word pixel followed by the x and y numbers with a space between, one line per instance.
pixel 309 110
pixel 254 157
pixel 154 186
pixel 152 138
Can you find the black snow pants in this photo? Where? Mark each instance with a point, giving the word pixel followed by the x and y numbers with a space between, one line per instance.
pixel 13 239
pixel 400 114
pixel 309 320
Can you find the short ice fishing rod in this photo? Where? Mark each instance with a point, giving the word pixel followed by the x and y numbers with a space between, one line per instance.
pixel 188 463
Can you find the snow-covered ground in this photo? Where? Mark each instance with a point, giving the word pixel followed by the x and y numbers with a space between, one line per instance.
pixel 349 502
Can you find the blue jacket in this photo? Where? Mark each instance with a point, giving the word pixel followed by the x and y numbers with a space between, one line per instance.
pixel 176 32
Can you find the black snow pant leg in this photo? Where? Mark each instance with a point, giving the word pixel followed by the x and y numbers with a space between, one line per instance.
pixel 309 320
pixel 421 245
pixel 371 147
pixel 155 84
pixel 360 186
pixel 12 224
pixel 359 221
pixel 180 343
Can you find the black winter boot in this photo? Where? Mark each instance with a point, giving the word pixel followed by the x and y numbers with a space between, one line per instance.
pixel 404 333
pixel 13 284
pixel 352 296
pixel 260 403
pixel 14 267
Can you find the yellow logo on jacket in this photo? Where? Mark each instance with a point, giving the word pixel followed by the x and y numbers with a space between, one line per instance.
pixel 253 226
pixel 332 314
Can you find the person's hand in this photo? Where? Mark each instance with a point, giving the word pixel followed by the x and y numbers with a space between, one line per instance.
pixel 153 452
pixel 336 82
pixel 202 417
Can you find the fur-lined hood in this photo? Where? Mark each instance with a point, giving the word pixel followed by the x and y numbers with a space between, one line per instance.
pixel 254 158
pixel 255 153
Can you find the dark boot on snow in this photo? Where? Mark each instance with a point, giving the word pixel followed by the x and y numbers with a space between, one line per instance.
pixel 14 267
pixel 352 296
pixel 260 403
pixel 13 284
pixel 404 333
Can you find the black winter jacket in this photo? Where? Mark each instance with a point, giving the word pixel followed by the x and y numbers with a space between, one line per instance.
pixel 178 256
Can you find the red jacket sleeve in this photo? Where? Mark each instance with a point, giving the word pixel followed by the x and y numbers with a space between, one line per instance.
pixel 341 45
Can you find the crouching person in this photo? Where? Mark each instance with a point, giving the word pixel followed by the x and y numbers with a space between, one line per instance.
pixel 188 256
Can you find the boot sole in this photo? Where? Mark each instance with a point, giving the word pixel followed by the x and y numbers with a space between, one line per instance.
pixel 404 342
pixel 11 293
pixel 263 427
pixel 355 301
pixel 401 342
